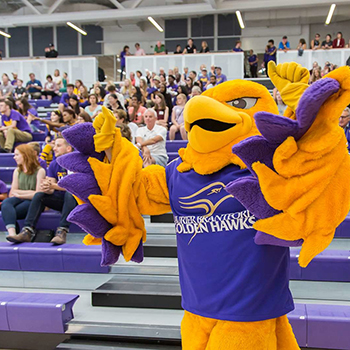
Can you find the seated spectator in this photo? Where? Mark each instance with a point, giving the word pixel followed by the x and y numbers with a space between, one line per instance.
pixel 148 76
pixel 301 46
pixel 19 90
pixel 112 90
pixel 6 88
pixel 83 96
pixel 161 109
pixel 93 109
pixel 143 88
pixel 162 71
pixel 84 117
pixel 34 87
pixel 57 79
pixel 138 77
pixel 132 78
pixel 150 139
pixel 162 78
pixel 52 196
pixel 178 50
pixel 253 64
pixel 204 47
pixel 73 104
pixel 69 118
pixel 14 80
pixel 64 102
pixel 50 51
pixel 122 119
pixel 178 79
pixel 344 122
pixel 238 47
pixel 326 69
pixel 316 43
pixel 172 87
pixel 204 78
pixel 77 85
pixel 316 75
pixel 50 89
pixel 338 42
pixel 193 75
pixel 3 192
pixel 29 113
pixel 159 49
pixel 65 82
pixel 136 91
pixel 191 47
pixel 196 91
pixel 185 74
pixel 177 118
pixel 126 90
pixel 36 148
pixel 154 87
pixel 327 44
pixel 100 92
pixel 139 51
pixel 136 110
pixel 220 78
pixel 167 97
pixel 26 181
pixel 212 82
pixel 52 133
pixel 284 44
pixel 189 84
pixel 280 103
pixel 113 102
pixel 14 127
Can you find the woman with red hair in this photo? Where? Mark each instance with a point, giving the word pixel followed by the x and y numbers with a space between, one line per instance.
pixel 26 182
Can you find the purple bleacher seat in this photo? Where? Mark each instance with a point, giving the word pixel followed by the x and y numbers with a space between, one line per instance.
pixel 6 174
pixel 38 136
pixel 56 99
pixel 294 269
pixel 174 146
pixel 343 230
pixel 328 326
pixel 49 257
pixel 172 156
pixel 9 257
pixel 48 220
pixel 40 257
pixel 298 321
pixel 80 258
pixel 36 312
pixel 40 103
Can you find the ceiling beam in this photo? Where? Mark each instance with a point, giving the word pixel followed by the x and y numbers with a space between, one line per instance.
pixel 54 6
pixel 117 4
pixel 212 3
pixel 136 4
pixel 32 7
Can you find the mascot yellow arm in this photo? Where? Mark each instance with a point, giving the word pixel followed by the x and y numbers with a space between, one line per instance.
pixel 127 190
pixel 311 182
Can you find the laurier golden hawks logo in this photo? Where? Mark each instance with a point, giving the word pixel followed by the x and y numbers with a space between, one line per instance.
pixel 205 203
pixel 210 222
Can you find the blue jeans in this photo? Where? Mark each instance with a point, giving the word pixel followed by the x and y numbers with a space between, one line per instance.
pixel 13 209
pixel 63 203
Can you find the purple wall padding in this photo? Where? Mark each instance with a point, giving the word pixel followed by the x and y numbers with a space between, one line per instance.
pixel 298 319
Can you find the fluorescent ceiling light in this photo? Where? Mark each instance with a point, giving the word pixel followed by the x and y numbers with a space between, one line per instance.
pixel 76 28
pixel 330 13
pixel 240 19
pixel 156 24
pixel 5 34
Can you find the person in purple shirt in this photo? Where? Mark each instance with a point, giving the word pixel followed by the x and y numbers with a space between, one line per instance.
pixel 220 78
pixel 3 191
pixel 53 196
pixel 36 148
pixel 344 122
pixel 125 52
pixel 14 81
pixel 238 48
pixel 29 113
pixel 172 87
pixel 270 53
pixel 253 63
pixel 64 102
pixel 14 127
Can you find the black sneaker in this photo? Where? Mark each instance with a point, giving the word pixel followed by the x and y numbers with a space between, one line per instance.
pixel 25 236
pixel 4 150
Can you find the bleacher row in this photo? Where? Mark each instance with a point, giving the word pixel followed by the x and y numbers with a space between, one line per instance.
pixel 318 321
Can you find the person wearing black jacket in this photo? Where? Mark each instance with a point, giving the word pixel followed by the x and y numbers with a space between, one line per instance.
pixel 50 51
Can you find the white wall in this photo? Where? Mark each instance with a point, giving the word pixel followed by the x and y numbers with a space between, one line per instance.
pixel 115 38
pixel 256 38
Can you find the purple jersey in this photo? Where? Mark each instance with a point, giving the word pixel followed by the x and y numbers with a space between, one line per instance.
pixel 16 116
pixel 223 273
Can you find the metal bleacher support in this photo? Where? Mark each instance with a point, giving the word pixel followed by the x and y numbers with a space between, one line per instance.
pixel 84 68
pixel 335 56
pixel 230 62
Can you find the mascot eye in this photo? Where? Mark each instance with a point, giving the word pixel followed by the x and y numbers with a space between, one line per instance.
pixel 243 103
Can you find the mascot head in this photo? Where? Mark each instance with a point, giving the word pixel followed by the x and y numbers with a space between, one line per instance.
pixel 220 118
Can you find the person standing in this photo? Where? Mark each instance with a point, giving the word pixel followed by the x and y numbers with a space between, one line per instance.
pixel 50 51
pixel 123 54
pixel 253 63
pixel 238 47
pixel 270 54
pixel 139 51
pixel 339 42
pixel 159 49
pixel 191 47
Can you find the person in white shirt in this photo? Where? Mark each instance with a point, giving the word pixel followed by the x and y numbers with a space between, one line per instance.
pixel 139 51
pixel 151 139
